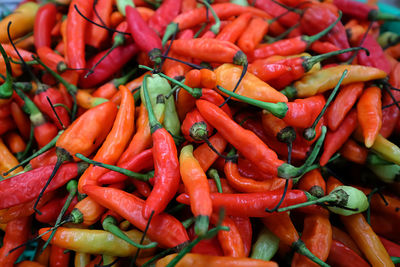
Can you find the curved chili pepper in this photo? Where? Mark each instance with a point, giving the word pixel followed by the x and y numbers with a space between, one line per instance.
pixel 250 204
pixel 58 257
pixel 75 33
pixel 246 232
pixel 342 256
pixel 95 241
pixel 326 79
pixel 253 34
pixel 167 11
pixel 52 208
pixel 247 169
pixel 266 245
pixel 335 139
pixel 97 36
pixel 206 246
pixel 286 18
pixel 25 187
pixel 363 235
pixel 7 160
pixel 377 58
pixel 343 237
pixel 250 86
pixel 45 20
pixel 267 71
pixel 205 155
pixel 369 113
pixel 53 60
pixel 362 11
pixel 314 183
pixel 391 114
pixel 163 228
pixel 392 248
pixel 116 140
pixel 195 181
pixel 195 128
pixel 17 232
pixel 16 144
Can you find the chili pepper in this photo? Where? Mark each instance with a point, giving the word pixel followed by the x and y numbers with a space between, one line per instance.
pixel 317 236
pixel 233 31
pixel 147 40
pixel 7 160
pixel 391 114
pixel 326 79
pixel 362 11
pixel 97 36
pixel 267 71
pixel 335 139
pixel 171 120
pixel 17 232
pixel 206 246
pixel 342 256
pixel 200 260
pixel 45 20
pixel 314 183
pixel 369 113
pixel 277 128
pixel 231 241
pixel 116 140
pixel 58 257
pixel 95 241
pixel 316 18
pixel 228 76
pixel 266 245
pixel 253 34
pixel 52 59
pixel 13 193
pixel 163 228
pixel 363 235
pixel 197 16
pixel 243 184
pixel 195 128
pixel 52 208
pixel 323 47
pixel 109 89
pixel 288 19
pixel 107 67
pixel 385 226
pixel 164 15
pixel 290 46
pixel 16 144
pixel 247 169
pixel 81 259
pixel 377 58
pixel 246 232
pixel 6 125
pixel 250 204
pixel 342 104
pixel 344 238
pixel 205 155
pixel 22 18
pixel 24 209
pixel 75 34
pixel 195 181
pixel 353 152
pixel 6 90
pixel 392 248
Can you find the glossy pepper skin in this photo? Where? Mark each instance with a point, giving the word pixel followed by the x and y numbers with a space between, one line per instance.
pixel 164 229
pixel 17 232
pixel 45 20
pixel 376 58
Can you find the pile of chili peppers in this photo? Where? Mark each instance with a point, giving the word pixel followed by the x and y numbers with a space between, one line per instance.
pixel 199 133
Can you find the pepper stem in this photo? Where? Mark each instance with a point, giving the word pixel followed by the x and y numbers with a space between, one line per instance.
pixel 281 36
pixel 213 173
pixel 35 115
pixel 289 171
pixel 153 122
pixel 6 88
pixel 124 79
pixel 277 109
pixel 49 145
pixel 138 176
pixel 109 224
pixel 310 39
pixel 214 28
pixel 72 187
pixel 201 225
pixel 195 92
pixel 171 29
pixel 309 133
pixel 309 62
pixel 301 248
pixel 375 15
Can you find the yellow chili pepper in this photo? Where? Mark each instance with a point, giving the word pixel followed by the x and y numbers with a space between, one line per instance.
pixel 326 79
pixel 22 19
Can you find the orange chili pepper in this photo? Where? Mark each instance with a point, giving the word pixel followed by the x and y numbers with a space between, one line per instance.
pixel 341 236
pixel 369 113
pixel 195 181
pixel 354 152
pixel 15 142
pixel 313 182
pixel 205 155
pixel 234 30
pixel 96 36
pixel 7 160
pixel 253 34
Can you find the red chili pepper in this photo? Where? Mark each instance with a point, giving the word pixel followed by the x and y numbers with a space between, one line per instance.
pixel 58 258
pixel 75 33
pixel 246 232
pixel 233 30
pixel 45 20
pixel 53 60
pixel 97 36
pixel 194 127
pixel 163 228
pixel 17 233
pixel 250 204
pixel 316 18
pixel 335 139
pixel 376 58
pixel 392 248
pixel 267 71
pixel 206 246
pixel 290 19
pixel 362 11
pixel 353 152
pixel 247 169
pixel 52 208
pixel 6 124
pixel 323 47
pixel 167 11
pixel 146 39
pixel 314 183
pixel 342 256
pixel 205 155
pixel 108 66
pixel 27 186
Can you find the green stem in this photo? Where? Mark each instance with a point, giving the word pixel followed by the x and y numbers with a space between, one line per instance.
pixel 48 146
pixel 21 156
pixel 173 90
pixel 35 115
pixel 281 36
pixel 171 29
pixel 277 109
pixel 188 222
pixel 310 39
pixel 64 106
pixel 6 88
pixel 121 5
pixel 195 92
pixel 309 133
pixel 138 176
pixel 213 173
pixel 301 248
pixel 24 86
pixel 214 28
pixel 153 122
pixel 109 224
pixel 124 79
pixel 201 29
pixel 375 15
pixel 395 260
pixel 72 188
